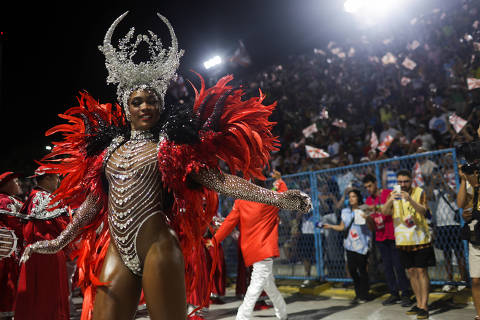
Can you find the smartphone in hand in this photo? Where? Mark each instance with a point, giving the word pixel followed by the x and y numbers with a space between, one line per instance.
pixel 397 189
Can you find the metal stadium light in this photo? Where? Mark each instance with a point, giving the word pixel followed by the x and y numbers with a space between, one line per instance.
pixel 212 62
pixel 370 11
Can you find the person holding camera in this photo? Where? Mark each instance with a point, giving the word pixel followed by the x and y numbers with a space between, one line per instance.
pixel 467 199
pixel 408 206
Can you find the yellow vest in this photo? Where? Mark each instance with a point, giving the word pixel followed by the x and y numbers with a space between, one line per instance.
pixel 417 234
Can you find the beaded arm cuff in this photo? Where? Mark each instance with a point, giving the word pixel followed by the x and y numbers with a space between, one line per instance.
pixel 83 216
pixel 238 188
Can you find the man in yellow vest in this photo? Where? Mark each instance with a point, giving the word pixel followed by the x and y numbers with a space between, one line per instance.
pixel 408 205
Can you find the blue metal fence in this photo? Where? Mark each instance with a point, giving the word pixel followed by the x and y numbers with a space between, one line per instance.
pixel 309 252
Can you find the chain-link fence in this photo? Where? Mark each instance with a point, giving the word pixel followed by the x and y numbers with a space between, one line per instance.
pixel 310 252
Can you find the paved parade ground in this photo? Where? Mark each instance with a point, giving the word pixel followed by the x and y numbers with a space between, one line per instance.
pixel 301 306
pixel 331 301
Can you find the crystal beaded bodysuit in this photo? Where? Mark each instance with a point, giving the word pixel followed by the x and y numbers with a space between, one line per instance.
pixel 135 193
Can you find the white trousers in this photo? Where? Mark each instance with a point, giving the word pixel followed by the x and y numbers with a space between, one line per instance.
pixel 262 279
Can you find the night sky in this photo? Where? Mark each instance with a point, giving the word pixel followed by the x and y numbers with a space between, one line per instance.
pixel 49 51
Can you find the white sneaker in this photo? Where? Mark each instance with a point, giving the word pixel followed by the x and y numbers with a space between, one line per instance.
pixel 448 288
pixel 461 287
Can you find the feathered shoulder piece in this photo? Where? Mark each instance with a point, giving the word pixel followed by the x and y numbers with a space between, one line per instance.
pixel 228 128
pixel 78 157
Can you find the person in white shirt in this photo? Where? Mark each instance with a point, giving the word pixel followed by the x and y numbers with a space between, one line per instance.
pixel 446 221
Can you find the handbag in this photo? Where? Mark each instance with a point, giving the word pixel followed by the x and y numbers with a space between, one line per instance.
pixel 456 217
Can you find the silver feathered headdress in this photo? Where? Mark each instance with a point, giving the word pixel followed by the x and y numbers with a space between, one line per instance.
pixel 129 76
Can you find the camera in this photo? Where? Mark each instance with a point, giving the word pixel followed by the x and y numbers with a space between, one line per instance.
pixel 470 152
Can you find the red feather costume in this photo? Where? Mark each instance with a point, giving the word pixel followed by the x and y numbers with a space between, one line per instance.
pixel 242 139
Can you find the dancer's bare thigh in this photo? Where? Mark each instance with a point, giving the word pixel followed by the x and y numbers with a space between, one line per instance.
pixel 164 280
pixel 119 299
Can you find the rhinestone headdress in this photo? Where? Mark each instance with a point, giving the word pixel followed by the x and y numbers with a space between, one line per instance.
pixel 154 74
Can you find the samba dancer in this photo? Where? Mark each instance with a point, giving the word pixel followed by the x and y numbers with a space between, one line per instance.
pixel 160 166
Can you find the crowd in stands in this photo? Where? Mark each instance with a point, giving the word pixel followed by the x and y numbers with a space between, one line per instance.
pixel 354 87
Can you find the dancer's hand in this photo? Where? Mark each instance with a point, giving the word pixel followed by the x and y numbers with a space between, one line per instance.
pixel 44 247
pixel 295 200
pixel 26 254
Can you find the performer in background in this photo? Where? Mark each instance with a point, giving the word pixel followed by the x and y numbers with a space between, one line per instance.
pixel 43 285
pixel 159 165
pixel 11 219
pixel 259 244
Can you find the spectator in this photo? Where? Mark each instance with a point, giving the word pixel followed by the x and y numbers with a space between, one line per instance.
pixel 408 206
pixel 389 175
pixel 468 200
pixel 306 244
pixel 446 222
pixel 425 137
pixel 394 272
pixel 439 124
pixel 333 258
pixel 356 243
pixel 388 130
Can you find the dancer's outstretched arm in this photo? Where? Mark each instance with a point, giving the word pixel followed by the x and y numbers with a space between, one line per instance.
pixel 238 188
pixel 84 215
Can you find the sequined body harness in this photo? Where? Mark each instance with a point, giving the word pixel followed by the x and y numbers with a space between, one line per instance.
pixel 135 191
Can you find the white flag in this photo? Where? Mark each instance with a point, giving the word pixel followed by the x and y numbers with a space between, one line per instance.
pixel 457 122
pixel 417 176
pixel 389 58
pixel 373 141
pixel 383 147
pixel 324 113
pixel 473 83
pixel 404 81
pixel 311 129
pixel 414 45
pixel 409 64
pixel 339 123
pixel 351 52
pixel 316 153
pixel 336 50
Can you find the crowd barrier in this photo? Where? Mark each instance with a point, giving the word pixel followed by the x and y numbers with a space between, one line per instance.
pixel 310 252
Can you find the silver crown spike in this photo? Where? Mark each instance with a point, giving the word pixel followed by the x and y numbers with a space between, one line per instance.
pixel 107 41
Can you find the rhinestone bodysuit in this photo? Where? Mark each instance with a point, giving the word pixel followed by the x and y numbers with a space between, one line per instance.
pixel 135 193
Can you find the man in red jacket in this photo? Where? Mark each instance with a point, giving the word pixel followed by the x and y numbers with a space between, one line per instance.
pixel 259 245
